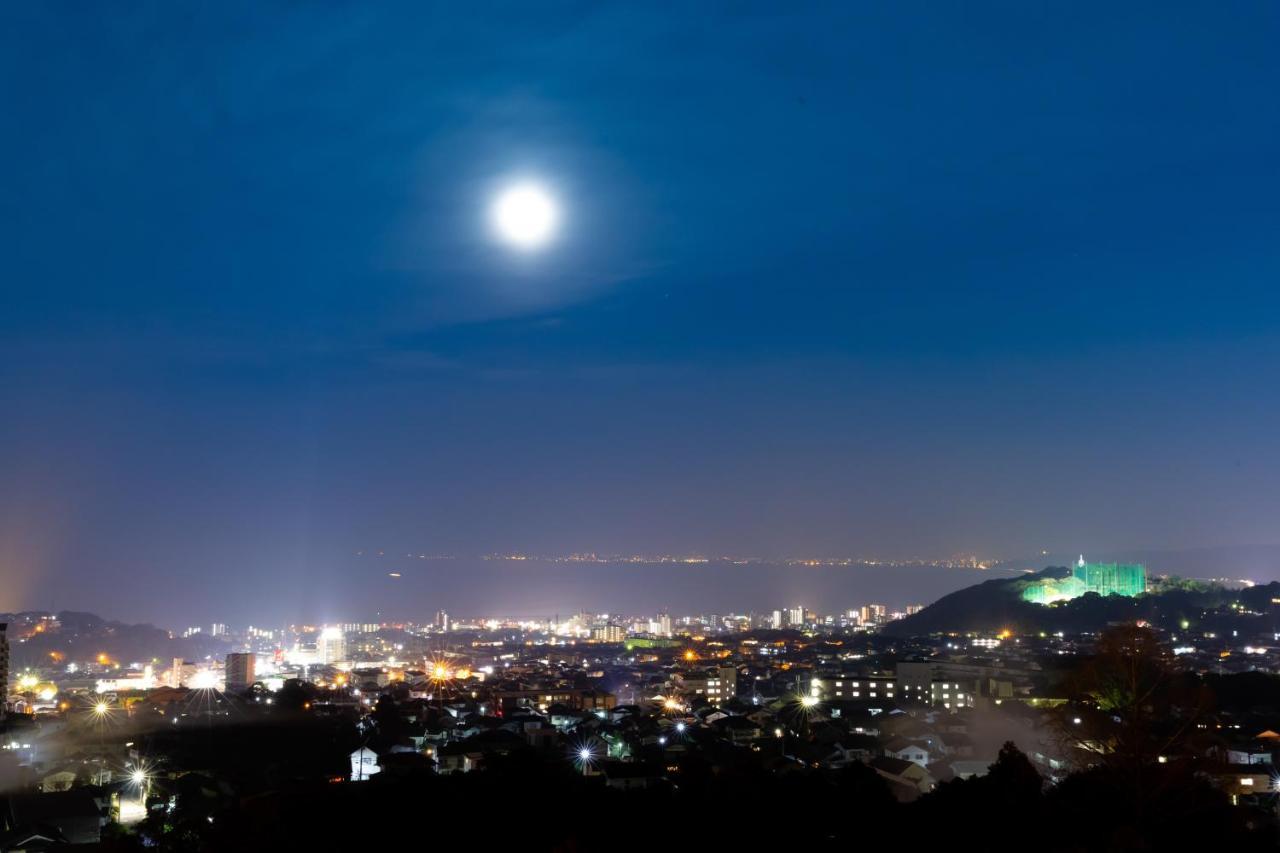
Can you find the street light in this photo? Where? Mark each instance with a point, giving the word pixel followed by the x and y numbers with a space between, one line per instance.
pixel 583 756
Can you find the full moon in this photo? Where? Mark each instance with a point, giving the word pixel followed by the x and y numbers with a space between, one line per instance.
pixel 525 216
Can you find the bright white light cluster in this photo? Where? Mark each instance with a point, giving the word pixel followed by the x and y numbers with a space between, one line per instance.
pixel 203 679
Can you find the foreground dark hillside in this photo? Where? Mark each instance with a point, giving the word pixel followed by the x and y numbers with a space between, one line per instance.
pixel 530 802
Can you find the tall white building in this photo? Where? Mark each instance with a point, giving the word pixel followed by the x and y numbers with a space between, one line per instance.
pixel 332 646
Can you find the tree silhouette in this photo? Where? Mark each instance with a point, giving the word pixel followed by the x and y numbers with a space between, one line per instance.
pixel 1129 708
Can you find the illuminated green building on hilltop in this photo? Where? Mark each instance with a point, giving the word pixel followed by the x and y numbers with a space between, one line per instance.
pixel 1102 578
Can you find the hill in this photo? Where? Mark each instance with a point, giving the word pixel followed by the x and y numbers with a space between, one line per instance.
pixel 38 637
pixel 1174 604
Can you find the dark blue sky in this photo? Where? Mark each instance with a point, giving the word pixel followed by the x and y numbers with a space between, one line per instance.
pixel 882 280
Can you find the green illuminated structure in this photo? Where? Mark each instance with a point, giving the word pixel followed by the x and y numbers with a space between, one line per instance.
pixel 1112 578
pixel 1102 578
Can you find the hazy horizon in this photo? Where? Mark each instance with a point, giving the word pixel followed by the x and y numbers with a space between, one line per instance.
pixel 362 588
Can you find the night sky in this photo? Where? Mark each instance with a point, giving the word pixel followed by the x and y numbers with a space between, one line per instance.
pixel 885 280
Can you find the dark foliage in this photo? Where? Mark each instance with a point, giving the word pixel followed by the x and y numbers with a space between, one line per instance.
pixel 535 801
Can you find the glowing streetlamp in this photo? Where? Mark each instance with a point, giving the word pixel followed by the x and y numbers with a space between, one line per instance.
pixel 100 712
pixel 583 756
pixel 439 676
pixel 140 780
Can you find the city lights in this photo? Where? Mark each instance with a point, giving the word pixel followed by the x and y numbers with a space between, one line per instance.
pixel 684 709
